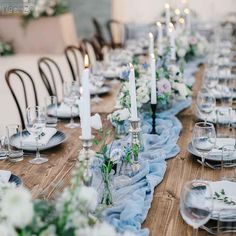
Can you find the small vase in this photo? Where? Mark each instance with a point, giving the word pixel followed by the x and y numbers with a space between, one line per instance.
pixel 107 194
pixel 120 130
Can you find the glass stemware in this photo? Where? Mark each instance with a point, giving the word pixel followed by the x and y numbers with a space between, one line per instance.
pixel 196 204
pixel 35 124
pixel 203 140
pixel 206 103
pixel 97 80
pixel 210 77
pixel 71 95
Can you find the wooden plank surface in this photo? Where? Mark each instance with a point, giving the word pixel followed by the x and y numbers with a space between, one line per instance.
pixel 163 218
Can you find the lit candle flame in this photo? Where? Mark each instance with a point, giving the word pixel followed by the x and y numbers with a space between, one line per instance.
pixel 167 6
pixel 177 11
pixel 181 20
pixel 150 35
pixel 131 66
pixel 86 61
pixel 186 11
pixel 158 24
pixel 152 56
pixel 171 27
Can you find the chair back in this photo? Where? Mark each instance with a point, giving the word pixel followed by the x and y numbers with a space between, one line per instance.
pixel 20 82
pixel 75 60
pixel 99 32
pixel 89 49
pixel 117 33
pixel 51 75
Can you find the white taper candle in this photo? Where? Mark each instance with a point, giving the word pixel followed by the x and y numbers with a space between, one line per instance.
pixel 132 91
pixel 153 80
pixel 86 103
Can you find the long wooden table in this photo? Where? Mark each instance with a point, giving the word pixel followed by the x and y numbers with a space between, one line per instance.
pixel 163 219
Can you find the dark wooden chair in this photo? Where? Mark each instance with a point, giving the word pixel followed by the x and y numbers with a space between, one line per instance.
pixel 99 32
pixel 25 79
pixel 117 32
pixel 50 74
pixel 87 47
pixel 74 57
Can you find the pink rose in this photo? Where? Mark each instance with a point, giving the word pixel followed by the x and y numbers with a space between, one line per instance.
pixel 163 86
pixel 192 40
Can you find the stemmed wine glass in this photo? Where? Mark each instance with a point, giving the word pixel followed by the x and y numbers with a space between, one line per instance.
pixel 35 123
pixel 206 103
pixel 97 80
pixel 71 95
pixel 210 77
pixel 203 140
pixel 196 204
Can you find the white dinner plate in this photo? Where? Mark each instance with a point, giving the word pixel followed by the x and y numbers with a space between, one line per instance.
pixel 215 154
pixel 58 138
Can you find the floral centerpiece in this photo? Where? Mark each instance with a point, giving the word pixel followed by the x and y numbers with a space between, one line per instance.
pixel 6 49
pixel 170 84
pixel 190 46
pixel 46 8
pixel 73 213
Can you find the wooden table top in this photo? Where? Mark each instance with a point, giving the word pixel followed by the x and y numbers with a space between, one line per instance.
pixel 163 218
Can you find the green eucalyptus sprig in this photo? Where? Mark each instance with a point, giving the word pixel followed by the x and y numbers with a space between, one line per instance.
pixel 221 196
pixel 131 153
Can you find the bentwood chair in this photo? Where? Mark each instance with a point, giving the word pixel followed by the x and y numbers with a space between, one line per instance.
pixel 117 32
pixel 75 60
pixel 87 47
pixel 20 82
pixel 98 32
pixel 51 75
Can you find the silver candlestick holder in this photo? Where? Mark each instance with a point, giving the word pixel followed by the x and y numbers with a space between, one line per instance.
pixel 85 156
pixel 135 131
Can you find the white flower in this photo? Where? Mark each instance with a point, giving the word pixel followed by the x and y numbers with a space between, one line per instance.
pixel 173 71
pixel 89 197
pixel 52 3
pixel 143 95
pixel 181 52
pixel 7 230
pixel 76 220
pixel 96 121
pixel 119 115
pixel 50 11
pixel 182 90
pixel 50 231
pixel 124 114
pixel 17 206
pixel 104 229
pixel 88 231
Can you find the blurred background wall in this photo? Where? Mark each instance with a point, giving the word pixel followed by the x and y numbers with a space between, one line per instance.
pixel 85 10
pixel 149 10
pixel 140 11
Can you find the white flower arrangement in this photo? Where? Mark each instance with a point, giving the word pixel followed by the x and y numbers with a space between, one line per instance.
pixel 190 46
pixel 73 213
pixel 169 82
pixel 119 115
pixel 46 8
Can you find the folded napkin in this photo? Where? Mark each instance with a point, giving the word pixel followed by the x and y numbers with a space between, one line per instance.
pixel 229 189
pixel 64 110
pixel 43 139
pixel 5 175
